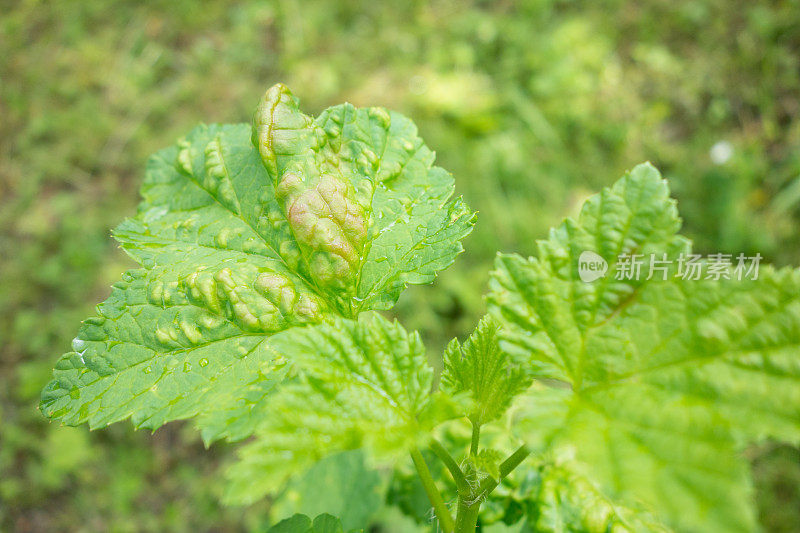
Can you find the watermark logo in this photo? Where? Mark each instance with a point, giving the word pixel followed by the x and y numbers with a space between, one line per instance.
pixel 717 266
pixel 591 266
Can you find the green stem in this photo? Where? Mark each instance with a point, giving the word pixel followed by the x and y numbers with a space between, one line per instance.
pixel 452 466
pixel 476 437
pixel 506 467
pixel 467 516
pixel 434 496
pixel 469 504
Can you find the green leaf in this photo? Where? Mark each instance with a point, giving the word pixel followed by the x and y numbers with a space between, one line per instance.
pixel 364 385
pixel 663 379
pixel 244 234
pixel 341 485
pixel 566 500
pixel 550 495
pixel 485 463
pixel 483 370
pixel 300 523
pixel 543 297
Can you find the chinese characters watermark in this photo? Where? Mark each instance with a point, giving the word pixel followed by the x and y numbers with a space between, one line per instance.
pixel 716 266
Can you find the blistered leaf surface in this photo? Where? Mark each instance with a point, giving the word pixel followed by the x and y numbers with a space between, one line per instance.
pixel 247 232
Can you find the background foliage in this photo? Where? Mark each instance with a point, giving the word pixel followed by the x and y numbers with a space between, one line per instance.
pixel 532 105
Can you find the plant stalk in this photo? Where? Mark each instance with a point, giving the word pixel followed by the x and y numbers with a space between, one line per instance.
pixel 476 436
pixel 467 515
pixel 434 496
pixel 469 505
pixel 506 467
pixel 458 475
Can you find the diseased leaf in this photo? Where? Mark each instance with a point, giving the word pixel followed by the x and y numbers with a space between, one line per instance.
pixel 364 385
pixel 483 370
pixel 244 234
pixel 664 376
pixel 366 207
pixel 150 362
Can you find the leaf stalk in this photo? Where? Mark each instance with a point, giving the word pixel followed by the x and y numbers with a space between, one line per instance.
pixel 506 467
pixel 469 506
pixel 434 496
pixel 476 437
pixel 458 475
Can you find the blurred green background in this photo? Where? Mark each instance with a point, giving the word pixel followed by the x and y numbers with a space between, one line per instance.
pixel 532 106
